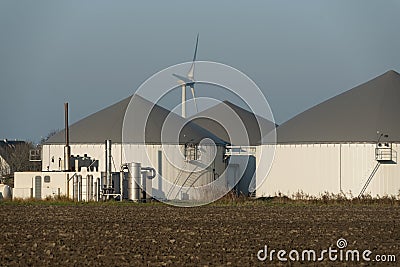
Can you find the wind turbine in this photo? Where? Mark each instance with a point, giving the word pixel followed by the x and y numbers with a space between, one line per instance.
pixel 188 81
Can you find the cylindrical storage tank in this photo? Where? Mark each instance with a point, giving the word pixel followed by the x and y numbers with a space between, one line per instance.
pixel 134 181
pixel 5 192
pixel 67 157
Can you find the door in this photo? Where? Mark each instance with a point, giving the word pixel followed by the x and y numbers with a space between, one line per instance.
pixel 38 187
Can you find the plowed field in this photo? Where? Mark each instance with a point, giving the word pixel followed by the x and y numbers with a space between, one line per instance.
pixel 158 235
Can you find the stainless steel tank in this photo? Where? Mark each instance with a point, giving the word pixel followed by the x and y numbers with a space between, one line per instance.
pixel 134 181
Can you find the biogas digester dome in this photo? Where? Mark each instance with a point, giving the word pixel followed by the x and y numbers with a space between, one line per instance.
pixel 338 146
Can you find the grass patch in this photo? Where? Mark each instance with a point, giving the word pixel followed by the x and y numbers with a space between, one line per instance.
pixel 65 201
pixel 231 199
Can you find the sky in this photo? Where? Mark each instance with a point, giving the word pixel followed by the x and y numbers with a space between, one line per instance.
pixel 95 53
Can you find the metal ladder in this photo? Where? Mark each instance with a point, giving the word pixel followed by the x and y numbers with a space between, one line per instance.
pixel 178 177
pixel 370 178
pixel 191 180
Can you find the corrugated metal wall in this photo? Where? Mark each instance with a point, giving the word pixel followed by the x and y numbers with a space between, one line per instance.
pixel 334 168
pixel 148 156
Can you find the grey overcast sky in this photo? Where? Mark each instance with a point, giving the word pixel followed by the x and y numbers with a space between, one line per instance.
pixel 94 53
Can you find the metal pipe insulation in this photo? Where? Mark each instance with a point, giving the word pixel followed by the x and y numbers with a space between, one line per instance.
pixel 145 176
pixel 149 169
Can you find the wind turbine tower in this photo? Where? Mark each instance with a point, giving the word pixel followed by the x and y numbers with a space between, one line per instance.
pixel 188 81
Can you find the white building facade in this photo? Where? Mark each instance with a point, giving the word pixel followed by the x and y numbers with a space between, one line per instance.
pixel 346 145
pixel 202 164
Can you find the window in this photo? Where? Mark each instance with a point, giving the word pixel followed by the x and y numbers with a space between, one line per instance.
pixel 192 152
pixel 46 179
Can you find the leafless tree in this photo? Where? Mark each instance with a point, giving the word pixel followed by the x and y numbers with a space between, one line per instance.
pixel 48 136
pixel 17 157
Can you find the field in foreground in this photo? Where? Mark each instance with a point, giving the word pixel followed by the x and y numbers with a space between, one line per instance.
pixel 157 235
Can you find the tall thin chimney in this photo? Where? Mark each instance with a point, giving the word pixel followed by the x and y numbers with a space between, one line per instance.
pixel 67 149
pixel 108 164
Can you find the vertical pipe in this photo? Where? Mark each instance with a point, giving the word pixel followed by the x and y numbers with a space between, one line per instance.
pixel 75 188
pixel 108 164
pixel 67 149
pixel 79 187
pixel 95 192
pixel 67 185
pixel 144 180
pixel 90 194
pixel 137 176
pixel 130 181
pixel 121 184
pixel 98 189
pixel 91 188
pixel 87 187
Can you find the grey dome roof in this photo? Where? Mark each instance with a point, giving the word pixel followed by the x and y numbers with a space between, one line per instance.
pixel 107 124
pixel 353 116
pixel 223 112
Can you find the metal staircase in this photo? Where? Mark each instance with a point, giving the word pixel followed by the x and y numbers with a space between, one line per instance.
pixel 384 154
pixel 370 178
pixel 178 177
pixel 190 181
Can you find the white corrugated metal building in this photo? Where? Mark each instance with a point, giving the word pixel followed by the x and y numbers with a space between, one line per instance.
pixel 241 129
pixel 340 144
pixel 87 142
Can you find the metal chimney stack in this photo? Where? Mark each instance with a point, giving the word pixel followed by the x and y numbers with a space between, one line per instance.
pixel 67 149
pixel 108 164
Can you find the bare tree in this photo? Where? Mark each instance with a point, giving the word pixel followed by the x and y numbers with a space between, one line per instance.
pixel 48 136
pixel 17 157
pixel 4 167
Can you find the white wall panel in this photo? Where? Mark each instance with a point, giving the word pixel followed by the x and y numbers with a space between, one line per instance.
pixel 334 168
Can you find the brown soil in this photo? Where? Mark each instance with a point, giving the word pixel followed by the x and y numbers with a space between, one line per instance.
pixel 157 235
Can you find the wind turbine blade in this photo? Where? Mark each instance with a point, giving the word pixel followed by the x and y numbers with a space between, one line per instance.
pixel 194 97
pixel 182 78
pixel 191 70
pixel 195 50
